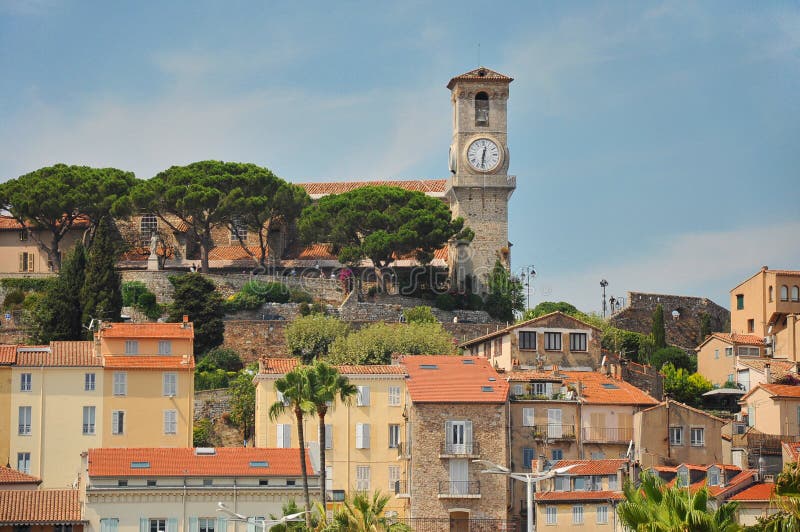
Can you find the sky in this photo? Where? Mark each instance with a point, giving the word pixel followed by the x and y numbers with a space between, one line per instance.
pixel 655 144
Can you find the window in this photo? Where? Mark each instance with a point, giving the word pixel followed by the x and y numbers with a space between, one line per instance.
pixel 165 347
pixel 751 416
pixel 527 417
pixel 577 341
pixel 730 377
pixel 795 293
pixel 206 524
pixel 120 383
pixel 748 351
pixel 148 225
pixel 751 325
pixel 394 478
pixel 362 435
pixel 598 455
pixel 579 484
pixel 88 419
pixel 739 301
pixel 24 421
pixel 26 261
pixel 170 421
pixel 784 293
pixel 24 462
pixel 158 525
pixel 118 422
pixel 683 478
pixel 481 109
pixel 771 298
pixel 394 396
pixel 23 234
pixel 487 349
pixel 527 340
pixel 612 482
pixel 458 437
pixel 237 227
pixel 328 436
pixel 498 347
pixel 518 390
pixel 527 457
pixel 552 341
pixel 25 382
pixel 602 515
pixel 362 398
pixel 697 436
pixel 713 477
pixel 676 435
pixel 551 513
pixel 122 483
pixel 282 398
pixel 284 434
pixel 362 478
pixel 394 436
pixel 543 388
pixel 109 525
pixel 556 454
pixel 562 483
pixel 577 514
pixel 170 381
pixel 89 382
pixel 152 483
pixel 131 347
pixel 728 351
pixel 716 353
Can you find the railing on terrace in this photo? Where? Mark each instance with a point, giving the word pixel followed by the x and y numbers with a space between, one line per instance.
pixel 423 524
pixel 607 434
pixel 456 488
pixel 471 448
pixel 554 431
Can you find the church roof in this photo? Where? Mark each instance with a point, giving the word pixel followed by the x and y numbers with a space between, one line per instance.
pixel 480 74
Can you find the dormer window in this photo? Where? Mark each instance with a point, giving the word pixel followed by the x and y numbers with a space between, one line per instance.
pixel 481 109
pixel 713 477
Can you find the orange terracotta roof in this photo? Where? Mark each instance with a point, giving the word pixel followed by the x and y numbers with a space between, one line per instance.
pixel 782 390
pixel 527 375
pixel 453 379
pixel 686 407
pixel 735 338
pixel 778 368
pixel 148 362
pixel 429 186
pixel 281 366
pixel 501 332
pixel 233 252
pixel 12 476
pixel 9 223
pixel 756 493
pixel 748 475
pixel 570 496
pixel 479 74
pixel 602 390
pixel 8 354
pixel 592 467
pixel 77 354
pixel 316 252
pixel 792 450
pixel 184 462
pixel 34 507
pixel 146 330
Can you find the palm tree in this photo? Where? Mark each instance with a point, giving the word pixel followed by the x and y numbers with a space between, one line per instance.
pixel 326 385
pixel 295 388
pixel 361 513
pixel 787 498
pixel 652 507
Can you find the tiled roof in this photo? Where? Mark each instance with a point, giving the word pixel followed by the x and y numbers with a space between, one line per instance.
pixel 501 332
pixel 781 390
pixel 529 374
pixel 685 407
pixel 569 496
pixel 479 74
pixel 735 338
pixel 778 368
pixel 75 354
pixel 146 330
pixel 8 354
pixel 756 493
pixel 148 362
pixel 429 186
pixel 316 252
pixel 739 479
pixel 602 390
pixel 453 379
pixel 792 450
pixel 592 467
pixel 281 366
pixel 233 252
pixel 184 462
pixel 32 507
pixel 9 223
pixel 12 476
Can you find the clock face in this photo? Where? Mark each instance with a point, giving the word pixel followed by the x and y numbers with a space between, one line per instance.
pixel 483 155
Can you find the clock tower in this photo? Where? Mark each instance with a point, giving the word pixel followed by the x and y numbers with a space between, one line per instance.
pixel 479 186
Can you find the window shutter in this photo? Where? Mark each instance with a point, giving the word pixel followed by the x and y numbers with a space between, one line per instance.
pixel 193 526
pixel 365 428
pixel 527 417
pixel 251 526
pixel 363 396
pixel 114 422
pixel 279 441
pixel 328 436
pixel 468 433
pixel 287 436
pixel 144 524
pixel 222 525
pixel 448 432
pixel 281 398
pixel 172 524
pixel 22 262
pixel 30 262
pixel 359 435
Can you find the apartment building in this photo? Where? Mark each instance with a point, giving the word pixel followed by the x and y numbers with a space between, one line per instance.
pixel 773 409
pixel 750 372
pixel 178 489
pixel 672 433
pixel 718 353
pixel 8 356
pixel 364 439
pixel 553 339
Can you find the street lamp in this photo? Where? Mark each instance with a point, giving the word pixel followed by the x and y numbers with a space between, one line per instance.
pixel 528 272
pixel 265 524
pixel 604 283
pixel 528 478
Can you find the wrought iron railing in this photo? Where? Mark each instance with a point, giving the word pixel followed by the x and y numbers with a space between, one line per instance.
pixel 455 488
pixel 460 449
pixel 554 431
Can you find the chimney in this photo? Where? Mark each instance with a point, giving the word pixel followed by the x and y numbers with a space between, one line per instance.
pixel 185 321
pixel 767 373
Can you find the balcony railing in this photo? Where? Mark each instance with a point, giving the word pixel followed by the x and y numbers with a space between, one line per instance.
pixel 459 488
pixel 607 434
pixel 554 431
pixel 401 488
pixel 460 449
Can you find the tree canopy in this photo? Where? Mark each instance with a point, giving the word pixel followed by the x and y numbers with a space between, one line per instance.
pixel 59 313
pixel 546 307
pixel 310 337
pixel 683 386
pixel 659 333
pixel 376 344
pixel 505 294
pixel 380 223
pixel 197 297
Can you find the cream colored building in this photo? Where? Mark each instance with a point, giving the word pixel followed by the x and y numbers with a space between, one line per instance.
pixel 717 355
pixel 19 252
pixel 8 356
pixel 773 409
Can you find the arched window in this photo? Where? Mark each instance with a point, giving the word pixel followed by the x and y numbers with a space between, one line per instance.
pixel 481 109
pixel 795 293
pixel 771 297
pixel 784 293
pixel 147 226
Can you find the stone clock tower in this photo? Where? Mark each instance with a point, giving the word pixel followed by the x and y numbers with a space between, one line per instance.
pixel 480 187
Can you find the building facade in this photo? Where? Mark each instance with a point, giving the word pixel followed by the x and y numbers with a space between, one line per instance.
pixel 717 355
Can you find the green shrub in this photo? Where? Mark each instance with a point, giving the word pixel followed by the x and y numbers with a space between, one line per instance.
pixel 445 302
pixel 304 309
pixel 242 301
pixel 267 292
pixel 131 291
pixel 27 284
pixel 319 308
pixel 13 299
pixel 201 434
pixel 300 296
pixel 32 301
pixel 419 315
pixel 474 302
pixel 222 358
pixel 212 379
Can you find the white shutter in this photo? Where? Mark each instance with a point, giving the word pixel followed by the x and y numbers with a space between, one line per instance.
pixel 362 398
pixel 527 417
pixel 365 429
pixel 222 524
pixel 172 525
pixel 359 435
pixel 468 435
pixel 115 422
pixel 144 524
pixel 279 439
pixel 287 436
pixel 193 525
pixel 328 478
pixel 448 432
pixel 281 398
pixel 328 436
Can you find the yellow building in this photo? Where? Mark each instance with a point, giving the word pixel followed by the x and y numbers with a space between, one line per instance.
pixel 364 439
pixel 8 355
pixel 718 353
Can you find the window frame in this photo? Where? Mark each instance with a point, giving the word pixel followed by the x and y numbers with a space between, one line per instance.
pixel 89 382
pixel 394 435
pixel 528 456
pixel 676 430
pixel 120 380
pixel 693 442
pixel 24 462
pixel 551 515
pixel 25 419
pixel 528 416
pixel 148 224
pixel 212 521
pixel 363 479
pixel 527 340
pixel 739 301
pixel 118 422
pixel 362 395
pixel 131 347
pixel 602 516
pixel 165 347
pixel 582 341
pixel 577 514
pixel 553 341
pixel 25 382
pixel 394 396
pixel 170 425
pixel 89 421
pixel 169 384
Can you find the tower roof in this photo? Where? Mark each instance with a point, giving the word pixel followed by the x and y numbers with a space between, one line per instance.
pixel 480 74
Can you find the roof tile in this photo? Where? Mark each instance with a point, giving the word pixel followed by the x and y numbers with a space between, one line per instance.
pixel 40 507
pixel 148 362
pixel 592 467
pixel 756 493
pixel 281 366
pixel 75 354
pixel 453 379
pixel 12 476
pixel 569 496
pixel 8 354
pixel 479 74
pixel 146 330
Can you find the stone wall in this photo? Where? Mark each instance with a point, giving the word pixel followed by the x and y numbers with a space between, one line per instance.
pixel 211 404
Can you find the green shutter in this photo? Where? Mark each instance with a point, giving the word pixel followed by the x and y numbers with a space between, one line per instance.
pixel 193 525
pixel 144 524
pixel 222 525
pixel 172 525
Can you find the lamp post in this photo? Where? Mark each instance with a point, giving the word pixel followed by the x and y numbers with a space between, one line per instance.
pixel 528 272
pixel 265 524
pixel 528 478
pixel 604 283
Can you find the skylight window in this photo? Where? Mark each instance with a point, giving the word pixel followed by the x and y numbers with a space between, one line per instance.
pixel 492 379
pixel 468 361
pixel 487 388
pixel 257 463
pixel 428 366
pixel 140 465
pixel 609 386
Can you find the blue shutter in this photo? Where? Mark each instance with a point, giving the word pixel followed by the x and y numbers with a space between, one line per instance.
pixel 172 525
pixel 144 524
pixel 193 525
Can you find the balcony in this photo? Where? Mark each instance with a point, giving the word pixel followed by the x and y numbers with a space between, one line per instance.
pixel 459 489
pixel 401 489
pixel 403 451
pixel 553 432
pixel 607 434
pixel 460 450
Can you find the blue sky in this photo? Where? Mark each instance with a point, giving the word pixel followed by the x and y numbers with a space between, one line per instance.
pixel 655 144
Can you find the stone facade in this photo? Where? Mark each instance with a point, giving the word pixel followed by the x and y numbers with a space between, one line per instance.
pixel 487 495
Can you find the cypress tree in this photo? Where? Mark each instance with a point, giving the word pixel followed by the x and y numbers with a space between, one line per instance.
pixel 102 289
pixel 659 334
pixel 59 314
pixel 197 297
